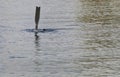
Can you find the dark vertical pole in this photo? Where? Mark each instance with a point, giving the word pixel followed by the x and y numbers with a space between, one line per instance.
pixel 37 16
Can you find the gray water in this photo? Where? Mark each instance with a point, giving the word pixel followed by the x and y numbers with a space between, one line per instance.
pixel 82 38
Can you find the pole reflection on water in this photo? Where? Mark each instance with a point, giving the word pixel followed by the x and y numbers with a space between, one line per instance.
pixel 37 42
pixel 37 53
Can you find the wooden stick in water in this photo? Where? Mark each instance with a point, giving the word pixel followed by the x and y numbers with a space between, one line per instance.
pixel 37 16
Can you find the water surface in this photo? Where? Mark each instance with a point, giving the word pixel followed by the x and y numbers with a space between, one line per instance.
pixel 81 38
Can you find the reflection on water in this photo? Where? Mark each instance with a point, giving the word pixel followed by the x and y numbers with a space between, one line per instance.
pixel 37 54
pixel 99 11
pixel 37 42
pixel 102 36
pixel 101 28
pixel 104 17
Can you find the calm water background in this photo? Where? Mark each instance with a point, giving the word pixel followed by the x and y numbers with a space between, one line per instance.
pixel 83 38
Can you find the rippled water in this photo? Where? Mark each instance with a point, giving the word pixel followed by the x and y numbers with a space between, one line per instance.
pixel 81 38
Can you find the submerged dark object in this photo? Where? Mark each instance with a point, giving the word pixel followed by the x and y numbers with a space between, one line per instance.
pixel 40 30
pixel 47 30
pixel 37 17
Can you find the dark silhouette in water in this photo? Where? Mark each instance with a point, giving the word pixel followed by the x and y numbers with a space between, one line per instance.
pixel 47 30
